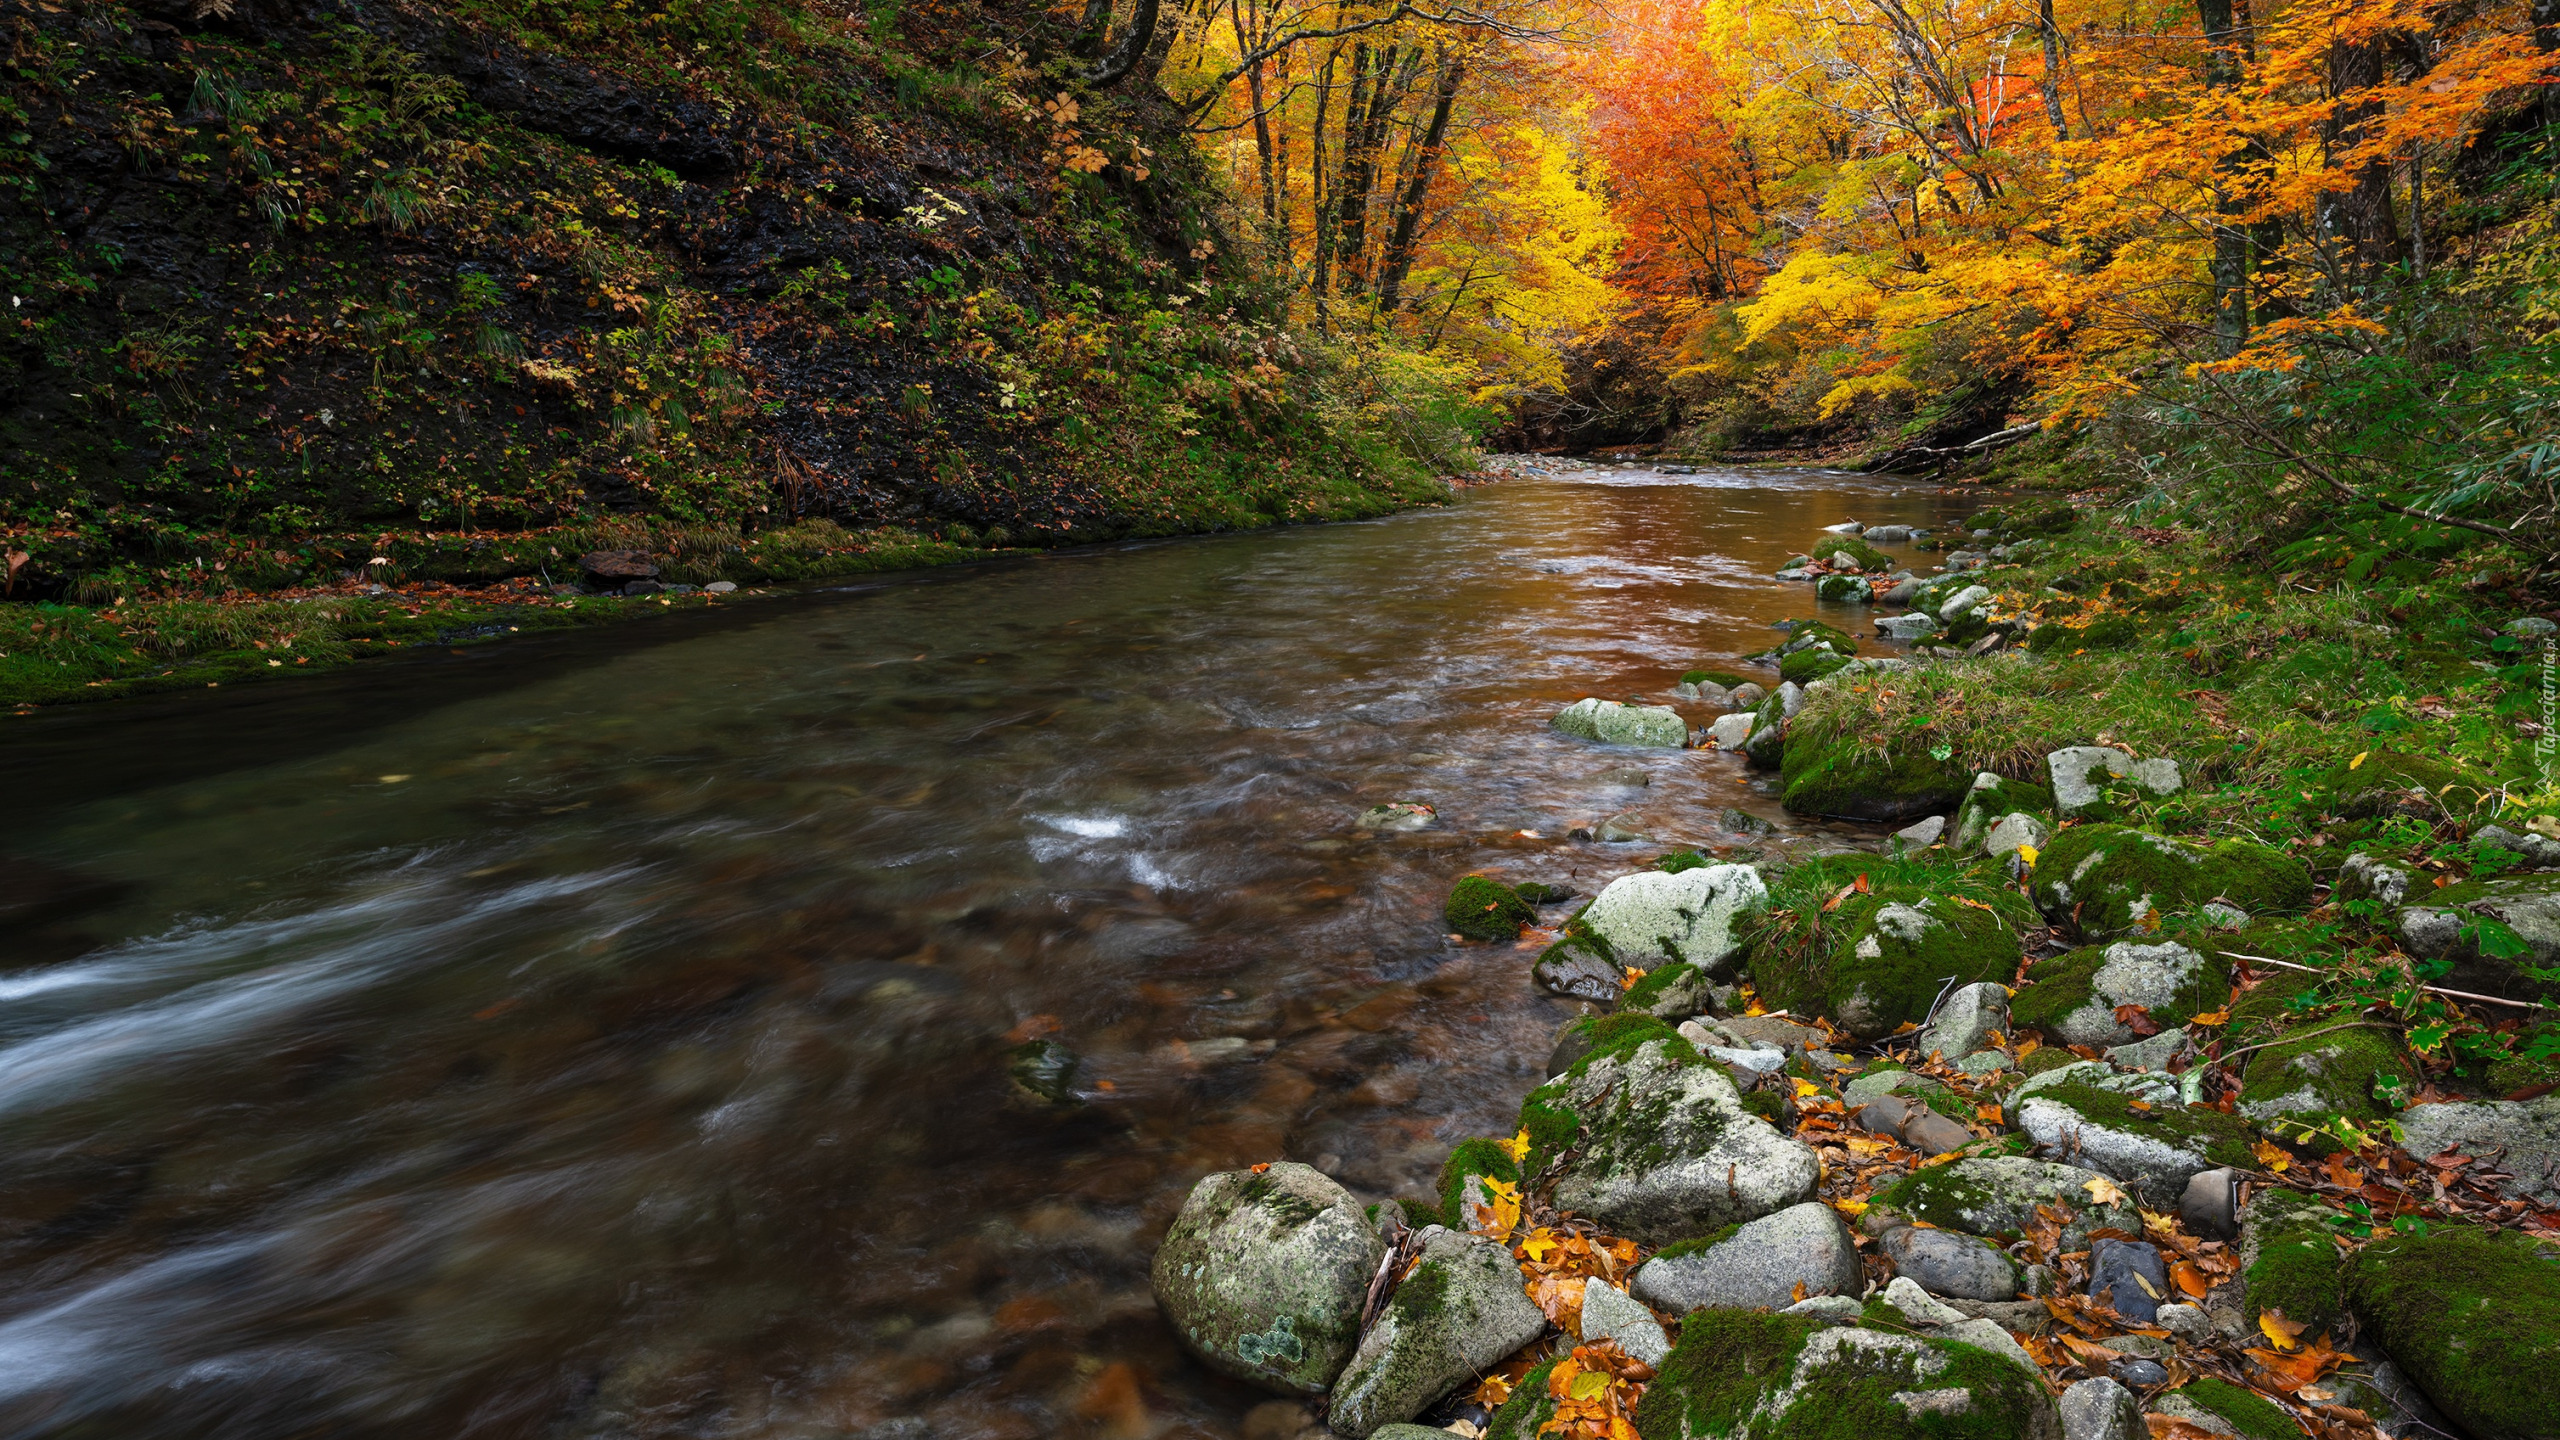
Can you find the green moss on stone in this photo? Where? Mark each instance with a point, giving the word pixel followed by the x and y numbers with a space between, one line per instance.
pixel 2329 1070
pixel 2270 1001
pixel 1483 909
pixel 1698 1245
pixel 2220 1138
pixel 1527 1411
pixel 1806 666
pixel 1937 1195
pixel 2248 1412
pixel 1766 1105
pixel 1728 1361
pixel 1898 946
pixel 2049 1057
pixel 1846 550
pixel 1472 1157
pixel 2296 1268
pixel 1843 778
pixel 1552 1125
pixel 1982 808
pixel 2258 878
pixel 2104 880
pixel 1684 860
pixel 1656 981
pixel 1725 678
pixel 2472 1316
pixel 2056 986
pixel 2387 781
pixel 1716 1373
pixel 1417 1214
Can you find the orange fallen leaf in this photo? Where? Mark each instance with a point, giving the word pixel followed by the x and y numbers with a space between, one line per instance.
pixel 2170 1427
pixel 2286 1334
pixel 2191 1277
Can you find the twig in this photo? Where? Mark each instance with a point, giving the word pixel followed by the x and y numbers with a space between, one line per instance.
pixel 2305 1035
pixel 2430 989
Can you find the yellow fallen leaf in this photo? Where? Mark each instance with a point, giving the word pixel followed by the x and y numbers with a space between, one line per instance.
pixel 2359 760
pixel 1537 1246
pixel 2103 1191
pixel 1628 982
pixel 1588 1385
pixel 1851 1208
pixel 2286 1334
pixel 2027 856
pixel 2211 1017
pixel 1803 1087
pixel 2275 1158
pixel 1517 1147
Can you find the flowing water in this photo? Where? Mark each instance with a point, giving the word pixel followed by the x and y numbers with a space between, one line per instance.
pixel 607 1034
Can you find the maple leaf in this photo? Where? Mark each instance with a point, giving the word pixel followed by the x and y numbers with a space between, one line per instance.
pixel 1517 1147
pixel 2284 1333
pixel 1499 1214
pixel 2103 1191
pixel 2273 1157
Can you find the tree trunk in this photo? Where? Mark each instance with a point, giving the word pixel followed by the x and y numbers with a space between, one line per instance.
pixel 2052 86
pixel 2357 220
pixel 1401 244
pixel 2230 264
pixel 1124 56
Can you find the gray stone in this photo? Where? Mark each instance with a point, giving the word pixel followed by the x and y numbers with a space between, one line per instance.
pixel 2178 1407
pixel 1845 527
pixel 1964 602
pixel 1922 835
pixel 1667 1151
pixel 1917 1305
pixel 2139 1372
pixel 2531 627
pixel 2154 1169
pixel 1900 592
pixel 1990 1335
pixel 1609 1313
pixel 1966 1020
pixel 2152 1054
pixel 2527 904
pixel 1848 589
pixel 721 587
pixel 1749 693
pixel 1760 1265
pixel 1577 975
pixel 1708 692
pixel 2524 1134
pixel 2141 1085
pixel 2130 1276
pixel 1891 534
pixel 1263 1276
pixel 1945 1262
pixel 1729 731
pixel 1993 1194
pixel 1884 1115
pixel 1837 1309
pixel 2367 877
pixel 1692 993
pixel 1931 1133
pixel 1611 723
pixel 2151 976
pixel 1850 1371
pixel 2210 1205
pixel 1790 699
pixel 1398 815
pixel 2537 850
pixel 1914 626
pixel 1886 1082
pixel 2080 774
pixel 1650 918
pixel 1401 1430
pixel 1459 1312
pixel 1770 1030
pixel 2012 832
pixel 2187 1322
pixel 2101 1409
pixel 1983 1062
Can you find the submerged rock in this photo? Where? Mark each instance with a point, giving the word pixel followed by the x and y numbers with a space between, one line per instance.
pixel 1655 1143
pixel 1398 816
pixel 1611 723
pixel 1263 1276
pixel 1756 1265
pixel 1457 1314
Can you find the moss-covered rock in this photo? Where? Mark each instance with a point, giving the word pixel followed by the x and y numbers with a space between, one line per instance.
pixel 2289 1263
pixel 1806 666
pixel 1841 777
pixel 2072 997
pixel 2153 1148
pixel 1850 552
pixel 1528 1410
pixel 2248 1413
pixel 1998 1195
pixel 2389 782
pixel 1669 992
pixel 1610 723
pixel 1988 799
pixel 1653 1142
pixel 1263 1275
pixel 2104 881
pixel 2473 1317
pixel 2327 1070
pixel 1483 909
pixel 1462 1176
pixel 1900 944
pixel 1752 1375
pixel 1725 678
pixel 1456 1314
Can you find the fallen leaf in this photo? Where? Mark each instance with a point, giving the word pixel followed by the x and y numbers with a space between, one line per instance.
pixel 2212 1017
pixel 2358 762
pixel 2103 1191
pixel 1517 1147
pixel 2285 1333
pixel 2274 1157
pixel 2190 1277
pixel 2169 1427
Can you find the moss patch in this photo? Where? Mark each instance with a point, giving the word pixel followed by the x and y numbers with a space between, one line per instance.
pixel 2474 1317
pixel 2249 1412
pixel 2258 878
pixel 1897 946
pixel 1552 1124
pixel 1845 778
pixel 1806 666
pixel 2295 1266
pixel 1527 1411
pixel 2342 1071
pixel 1840 550
pixel 1715 1374
pixel 2112 880
pixel 2220 1138
pixel 2388 782
pixel 1483 909
pixel 2061 984
pixel 1699 1245
pixel 1725 678
pixel 1472 1157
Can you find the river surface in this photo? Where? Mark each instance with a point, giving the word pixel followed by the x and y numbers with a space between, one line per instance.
pixel 607 1035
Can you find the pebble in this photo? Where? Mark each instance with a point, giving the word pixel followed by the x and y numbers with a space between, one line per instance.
pixel 2187 1322
pixel 2142 1374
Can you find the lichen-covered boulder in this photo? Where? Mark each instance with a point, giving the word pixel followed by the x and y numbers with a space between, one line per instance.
pixel 1990 797
pixel 2082 775
pixel 2474 1317
pixel 1459 1311
pixel 1263 1275
pixel 2329 1067
pixel 1841 776
pixel 1610 723
pixel 2444 925
pixel 2154 1149
pixel 1655 1141
pixel 2371 877
pixel 2104 881
pixel 1483 909
pixel 1654 918
pixel 1748 1375
pixel 2289 1263
pixel 1756 1265
pixel 2525 1134
pixel 1670 992
pixel 2073 997
pixel 1899 946
pixel 1997 1196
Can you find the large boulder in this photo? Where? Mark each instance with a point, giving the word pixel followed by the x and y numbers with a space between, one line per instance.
pixel 2524 1134
pixel 2103 881
pixel 1653 1140
pixel 1652 918
pixel 1455 1315
pixel 1610 723
pixel 1264 1275
pixel 2446 925
pixel 1765 1264
pixel 1998 1195
pixel 2082 775
pixel 2073 997
pixel 1897 949
pixel 2335 1066
pixel 2154 1149
pixel 1750 1375
pixel 2474 1317
pixel 1841 776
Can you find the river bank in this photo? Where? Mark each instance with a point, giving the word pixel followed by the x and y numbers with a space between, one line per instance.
pixel 2184 1066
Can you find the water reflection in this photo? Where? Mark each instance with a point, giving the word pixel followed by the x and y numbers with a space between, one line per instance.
pixel 619 1048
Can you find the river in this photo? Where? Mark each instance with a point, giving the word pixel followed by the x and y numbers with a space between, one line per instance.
pixel 606 1034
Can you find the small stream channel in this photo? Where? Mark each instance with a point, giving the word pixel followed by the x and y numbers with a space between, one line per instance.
pixel 606 1035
